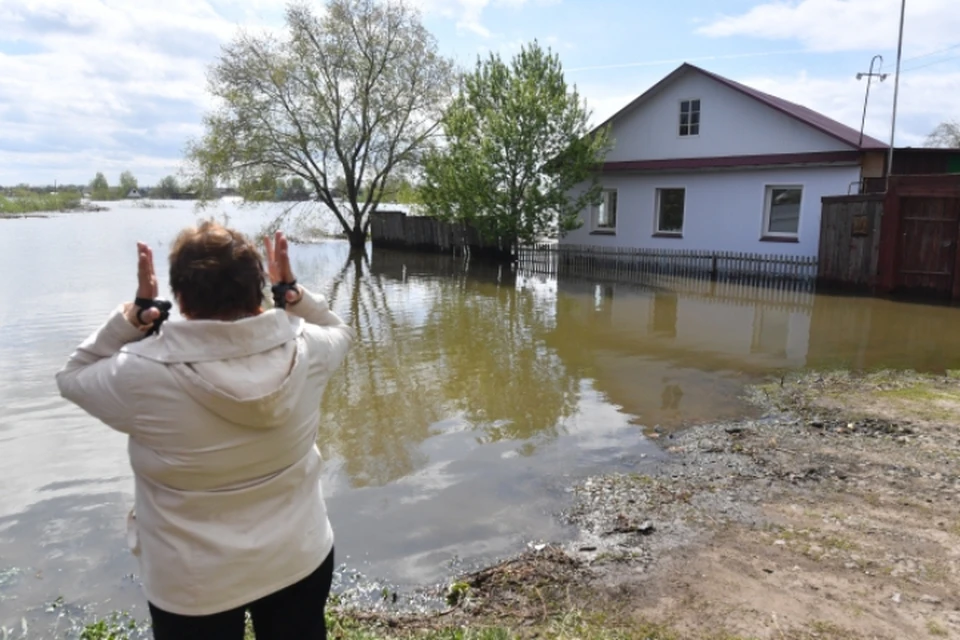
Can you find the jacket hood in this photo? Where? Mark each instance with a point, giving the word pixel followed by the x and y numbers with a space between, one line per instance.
pixel 250 372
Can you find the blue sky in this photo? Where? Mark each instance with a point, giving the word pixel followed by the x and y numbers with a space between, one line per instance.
pixel 109 85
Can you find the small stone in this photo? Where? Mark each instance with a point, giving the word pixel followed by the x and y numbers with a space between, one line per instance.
pixel 931 600
pixel 896 598
pixel 780 543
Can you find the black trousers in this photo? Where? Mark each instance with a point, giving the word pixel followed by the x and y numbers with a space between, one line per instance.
pixel 296 612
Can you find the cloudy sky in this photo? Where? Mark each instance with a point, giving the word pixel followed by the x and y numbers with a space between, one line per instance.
pixel 108 85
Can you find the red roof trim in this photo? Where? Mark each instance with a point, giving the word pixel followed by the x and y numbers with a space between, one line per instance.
pixel 809 117
pixel 730 162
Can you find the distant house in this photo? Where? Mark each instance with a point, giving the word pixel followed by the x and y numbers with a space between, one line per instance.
pixel 701 162
pixel 134 194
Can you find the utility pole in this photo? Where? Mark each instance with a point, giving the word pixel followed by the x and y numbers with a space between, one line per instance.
pixel 896 91
pixel 870 75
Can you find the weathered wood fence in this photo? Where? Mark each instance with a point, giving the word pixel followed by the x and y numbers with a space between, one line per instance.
pixel 627 263
pixel 849 241
pixel 397 230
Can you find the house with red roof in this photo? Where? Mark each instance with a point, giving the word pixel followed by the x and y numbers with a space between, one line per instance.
pixel 700 162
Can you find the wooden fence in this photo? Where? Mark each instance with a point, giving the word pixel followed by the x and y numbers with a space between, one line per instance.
pixel 628 263
pixel 397 230
pixel 850 241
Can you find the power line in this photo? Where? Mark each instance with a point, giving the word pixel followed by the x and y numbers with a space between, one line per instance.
pixel 653 63
pixel 930 64
pixel 933 53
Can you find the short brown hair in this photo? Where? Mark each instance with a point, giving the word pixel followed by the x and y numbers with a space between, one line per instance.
pixel 216 272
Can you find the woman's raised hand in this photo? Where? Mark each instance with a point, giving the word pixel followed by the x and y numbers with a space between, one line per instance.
pixel 146 288
pixel 278 264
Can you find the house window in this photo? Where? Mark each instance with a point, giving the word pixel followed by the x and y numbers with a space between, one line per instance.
pixel 664 320
pixel 781 214
pixel 670 205
pixel 689 117
pixel 605 213
pixel 771 332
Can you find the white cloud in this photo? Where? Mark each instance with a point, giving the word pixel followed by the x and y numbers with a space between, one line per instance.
pixel 107 85
pixel 846 25
pixel 468 13
pixel 925 100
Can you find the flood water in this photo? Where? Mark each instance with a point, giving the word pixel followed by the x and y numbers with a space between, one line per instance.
pixel 473 398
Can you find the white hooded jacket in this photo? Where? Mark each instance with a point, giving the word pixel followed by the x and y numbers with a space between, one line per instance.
pixel 222 421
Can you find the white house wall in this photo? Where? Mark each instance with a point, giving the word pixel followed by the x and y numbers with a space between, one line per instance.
pixel 731 123
pixel 724 210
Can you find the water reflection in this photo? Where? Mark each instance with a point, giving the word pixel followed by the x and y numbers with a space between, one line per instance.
pixel 866 333
pixel 469 355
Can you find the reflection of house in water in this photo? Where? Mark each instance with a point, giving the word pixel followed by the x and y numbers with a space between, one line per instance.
pixel 670 356
pixel 872 333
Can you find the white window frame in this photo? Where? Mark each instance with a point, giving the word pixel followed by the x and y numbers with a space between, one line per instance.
pixel 699 113
pixel 765 232
pixel 656 212
pixel 595 225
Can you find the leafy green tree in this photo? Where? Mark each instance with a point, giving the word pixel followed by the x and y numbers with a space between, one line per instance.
pixel 295 189
pixel 401 191
pixel 201 188
pixel 167 188
pixel 127 183
pixel 519 146
pixel 354 93
pixel 260 187
pixel 945 136
pixel 100 188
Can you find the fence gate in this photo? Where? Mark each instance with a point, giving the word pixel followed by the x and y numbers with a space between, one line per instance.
pixel 929 229
pixel 919 235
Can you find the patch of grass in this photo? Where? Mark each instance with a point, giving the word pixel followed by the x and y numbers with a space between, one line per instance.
pixel 917 392
pixel 936 573
pixel 30 202
pixel 457 593
pixel 117 626
pixel 936 629
pixel 839 543
pixel 574 625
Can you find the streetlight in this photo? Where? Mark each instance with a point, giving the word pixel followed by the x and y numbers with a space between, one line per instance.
pixel 870 76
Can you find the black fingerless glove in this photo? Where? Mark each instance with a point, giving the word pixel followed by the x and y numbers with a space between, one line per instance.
pixel 280 293
pixel 153 303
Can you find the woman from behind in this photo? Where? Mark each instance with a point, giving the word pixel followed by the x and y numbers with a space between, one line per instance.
pixel 221 411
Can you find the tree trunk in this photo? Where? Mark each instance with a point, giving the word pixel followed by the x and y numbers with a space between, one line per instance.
pixel 358 239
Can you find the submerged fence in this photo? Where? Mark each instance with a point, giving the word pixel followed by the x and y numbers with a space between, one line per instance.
pixel 619 263
pixel 397 230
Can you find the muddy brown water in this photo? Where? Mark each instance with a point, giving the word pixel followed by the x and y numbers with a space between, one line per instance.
pixel 474 396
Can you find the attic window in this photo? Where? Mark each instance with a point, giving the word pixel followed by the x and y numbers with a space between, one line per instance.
pixel 689 117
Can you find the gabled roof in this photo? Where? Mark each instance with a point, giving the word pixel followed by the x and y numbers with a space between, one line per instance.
pixel 809 117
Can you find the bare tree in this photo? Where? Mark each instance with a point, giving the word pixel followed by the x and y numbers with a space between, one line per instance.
pixel 348 97
pixel 945 136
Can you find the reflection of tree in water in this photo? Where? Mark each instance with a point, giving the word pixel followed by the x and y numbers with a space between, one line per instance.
pixel 473 352
pixel 497 368
pixel 380 406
